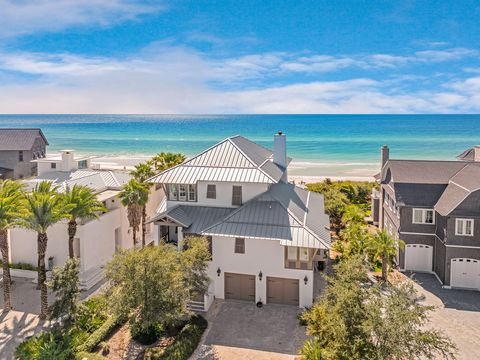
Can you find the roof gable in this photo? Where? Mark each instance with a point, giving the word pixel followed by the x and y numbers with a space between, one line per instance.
pixel 19 139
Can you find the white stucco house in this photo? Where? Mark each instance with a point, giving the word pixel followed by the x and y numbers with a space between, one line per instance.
pixel 267 236
pixel 96 240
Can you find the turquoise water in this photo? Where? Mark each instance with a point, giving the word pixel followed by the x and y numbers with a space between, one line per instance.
pixel 319 144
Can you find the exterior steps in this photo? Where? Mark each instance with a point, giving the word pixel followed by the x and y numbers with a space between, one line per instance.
pixel 197 306
pixel 91 277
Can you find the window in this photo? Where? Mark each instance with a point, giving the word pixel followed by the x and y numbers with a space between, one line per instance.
pixel 298 258
pixel 211 191
pixel 182 192
pixel 423 216
pixel 292 253
pixel 464 227
pixel 192 193
pixel 20 156
pixel 82 164
pixel 172 191
pixel 53 165
pixel 303 254
pixel 236 195
pixel 239 246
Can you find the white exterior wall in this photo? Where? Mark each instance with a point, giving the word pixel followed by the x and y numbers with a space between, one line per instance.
pixel 224 194
pixel 260 255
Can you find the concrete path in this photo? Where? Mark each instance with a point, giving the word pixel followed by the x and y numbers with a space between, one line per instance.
pixel 457 314
pixel 240 330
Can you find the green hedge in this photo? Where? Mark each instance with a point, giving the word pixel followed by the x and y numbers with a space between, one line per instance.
pixel 185 343
pixel 100 334
pixel 21 266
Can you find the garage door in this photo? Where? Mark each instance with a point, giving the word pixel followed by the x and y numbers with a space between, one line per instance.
pixel 465 273
pixel 239 286
pixel 282 291
pixel 418 257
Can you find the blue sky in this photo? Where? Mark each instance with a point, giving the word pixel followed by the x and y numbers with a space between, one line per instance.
pixel 125 56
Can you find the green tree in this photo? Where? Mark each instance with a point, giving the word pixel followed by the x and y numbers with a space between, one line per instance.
pixel 354 319
pixel 353 214
pixel 65 284
pixel 134 196
pixel 11 209
pixel 355 240
pixel 195 263
pixel 165 160
pixel 385 247
pixel 44 207
pixel 83 205
pixel 142 172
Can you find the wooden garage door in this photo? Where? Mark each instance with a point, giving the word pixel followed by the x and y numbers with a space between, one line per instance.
pixel 239 286
pixel 282 291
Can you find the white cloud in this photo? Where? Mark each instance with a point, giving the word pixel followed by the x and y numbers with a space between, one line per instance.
pixel 30 16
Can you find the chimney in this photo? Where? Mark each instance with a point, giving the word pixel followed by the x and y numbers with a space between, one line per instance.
pixel 476 153
pixel 280 152
pixel 68 160
pixel 385 154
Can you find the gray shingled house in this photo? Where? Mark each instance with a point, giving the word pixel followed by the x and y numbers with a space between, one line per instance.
pixel 17 148
pixel 434 207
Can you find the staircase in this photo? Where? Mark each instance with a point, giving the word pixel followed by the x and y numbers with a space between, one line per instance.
pixel 197 306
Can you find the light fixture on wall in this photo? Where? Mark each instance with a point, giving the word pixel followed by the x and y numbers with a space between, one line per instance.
pixel 305 279
pixel 260 275
pixel 219 271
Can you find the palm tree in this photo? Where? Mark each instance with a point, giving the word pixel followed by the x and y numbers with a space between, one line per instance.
pixel 385 247
pixel 134 196
pixel 142 172
pixel 44 207
pixel 11 206
pixel 83 205
pixel 164 161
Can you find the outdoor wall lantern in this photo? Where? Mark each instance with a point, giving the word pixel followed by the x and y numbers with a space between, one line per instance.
pixel 305 279
pixel 219 271
pixel 260 275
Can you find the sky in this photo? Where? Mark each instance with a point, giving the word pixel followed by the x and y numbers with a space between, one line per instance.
pixel 239 56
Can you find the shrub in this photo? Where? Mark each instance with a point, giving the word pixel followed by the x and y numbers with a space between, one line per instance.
pixel 100 334
pixel 92 313
pixel 186 342
pixel 146 335
pixel 21 266
pixel 88 356
pixel 46 346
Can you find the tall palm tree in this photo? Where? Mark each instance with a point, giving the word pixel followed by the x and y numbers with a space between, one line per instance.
pixel 44 207
pixel 385 247
pixel 134 196
pixel 142 172
pixel 11 209
pixel 166 160
pixel 83 205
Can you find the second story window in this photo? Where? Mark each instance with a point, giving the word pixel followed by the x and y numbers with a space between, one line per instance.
pixel 239 246
pixel 237 195
pixel 172 192
pixel 423 216
pixel 192 193
pixel 182 192
pixel 464 227
pixel 20 156
pixel 211 191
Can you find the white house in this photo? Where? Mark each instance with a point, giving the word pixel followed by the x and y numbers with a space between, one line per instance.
pixel 96 240
pixel 266 235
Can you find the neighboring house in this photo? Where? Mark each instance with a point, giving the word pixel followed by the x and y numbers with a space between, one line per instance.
pixel 17 148
pixel 98 239
pixel 434 207
pixel 266 235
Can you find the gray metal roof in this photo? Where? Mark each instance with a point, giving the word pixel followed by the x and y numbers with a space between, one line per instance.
pixel 422 195
pixel 235 159
pixel 422 171
pixel 19 139
pixel 467 155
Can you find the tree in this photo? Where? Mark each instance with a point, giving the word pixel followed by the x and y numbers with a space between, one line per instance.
pixel 65 284
pixel 83 205
pixel 142 172
pixel 354 319
pixel 385 247
pixel 11 209
pixel 134 196
pixel 354 240
pixel 44 207
pixel 353 214
pixel 166 160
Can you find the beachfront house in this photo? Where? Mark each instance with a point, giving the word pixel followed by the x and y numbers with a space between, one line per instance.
pixel 434 207
pixel 96 240
pixel 17 148
pixel 266 236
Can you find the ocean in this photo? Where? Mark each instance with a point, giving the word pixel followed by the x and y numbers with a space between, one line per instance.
pixel 320 145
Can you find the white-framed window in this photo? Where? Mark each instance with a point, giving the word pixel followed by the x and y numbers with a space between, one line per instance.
pixel 303 254
pixel 423 216
pixel 192 193
pixel 172 192
pixel 82 164
pixel 292 253
pixel 211 191
pixel 53 165
pixel 464 227
pixel 182 192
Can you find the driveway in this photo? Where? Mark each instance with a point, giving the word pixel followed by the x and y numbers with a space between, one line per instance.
pixel 457 314
pixel 240 330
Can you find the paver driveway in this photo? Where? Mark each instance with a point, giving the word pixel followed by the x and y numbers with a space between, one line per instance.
pixel 457 314
pixel 240 330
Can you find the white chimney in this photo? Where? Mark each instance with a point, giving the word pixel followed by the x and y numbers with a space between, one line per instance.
pixel 68 161
pixel 280 152
pixel 476 153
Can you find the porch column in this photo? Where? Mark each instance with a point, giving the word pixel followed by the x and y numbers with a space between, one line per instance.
pixel 179 238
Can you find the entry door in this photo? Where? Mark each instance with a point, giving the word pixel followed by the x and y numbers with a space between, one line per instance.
pixel 239 286
pixel 418 257
pixel 465 273
pixel 282 291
